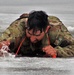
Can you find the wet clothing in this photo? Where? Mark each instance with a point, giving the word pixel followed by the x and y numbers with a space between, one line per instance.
pixel 59 36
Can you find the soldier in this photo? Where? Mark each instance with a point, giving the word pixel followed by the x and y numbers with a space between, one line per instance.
pixel 37 34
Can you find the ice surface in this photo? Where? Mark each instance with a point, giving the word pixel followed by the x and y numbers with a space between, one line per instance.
pixel 36 66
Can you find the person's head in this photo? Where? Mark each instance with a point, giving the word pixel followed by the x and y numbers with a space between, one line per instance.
pixel 36 25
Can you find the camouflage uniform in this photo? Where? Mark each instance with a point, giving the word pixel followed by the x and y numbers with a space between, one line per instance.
pixel 60 38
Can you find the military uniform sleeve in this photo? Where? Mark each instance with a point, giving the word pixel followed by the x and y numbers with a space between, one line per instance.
pixel 61 38
pixel 64 43
pixel 15 31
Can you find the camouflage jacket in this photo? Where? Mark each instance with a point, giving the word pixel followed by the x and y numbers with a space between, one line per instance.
pixel 60 38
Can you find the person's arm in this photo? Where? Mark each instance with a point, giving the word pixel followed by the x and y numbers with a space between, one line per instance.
pixel 16 29
pixel 14 33
pixel 64 44
pixel 67 51
pixel 61 39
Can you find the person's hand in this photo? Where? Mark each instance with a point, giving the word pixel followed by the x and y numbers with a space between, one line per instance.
pixel 4 51
pixel 49 50
pixel 4 48
pixel 2 43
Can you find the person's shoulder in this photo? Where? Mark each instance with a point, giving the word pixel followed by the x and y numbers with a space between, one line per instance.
pixel 21 21
pixel 56 23
pixel 53 20
pixel 24 15
pixel 16 28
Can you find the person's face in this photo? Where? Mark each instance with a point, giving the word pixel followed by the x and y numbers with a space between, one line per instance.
pixel 35 36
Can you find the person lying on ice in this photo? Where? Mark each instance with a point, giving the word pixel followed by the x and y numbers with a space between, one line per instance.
pixel 37 34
